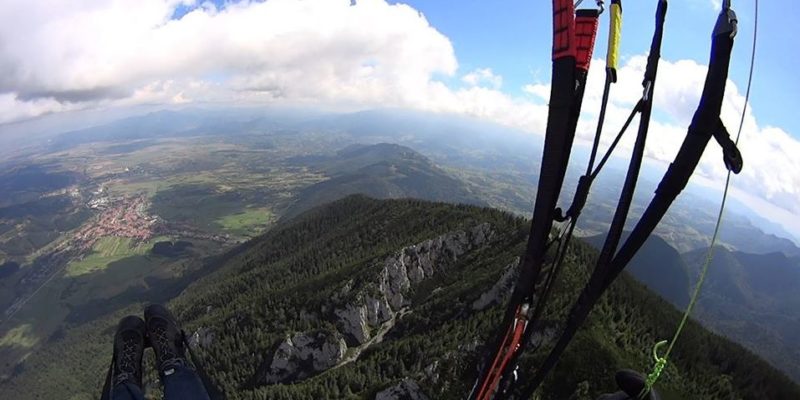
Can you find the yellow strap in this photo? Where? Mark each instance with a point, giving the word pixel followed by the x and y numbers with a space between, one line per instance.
pixel 614 34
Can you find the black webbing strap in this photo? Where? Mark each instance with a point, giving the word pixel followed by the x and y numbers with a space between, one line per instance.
pixel 594 288
pixel 705 124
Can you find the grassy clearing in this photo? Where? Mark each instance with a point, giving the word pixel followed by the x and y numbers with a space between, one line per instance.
pixel 105 251
pixel 21 336
pixel 151 187
pixel 250 221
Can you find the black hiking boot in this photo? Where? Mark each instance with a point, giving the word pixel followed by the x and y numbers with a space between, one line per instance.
pixel 128 350
pixel 166 338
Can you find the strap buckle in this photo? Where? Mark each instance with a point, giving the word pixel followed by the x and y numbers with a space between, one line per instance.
pixel 727 22
pixel 648 86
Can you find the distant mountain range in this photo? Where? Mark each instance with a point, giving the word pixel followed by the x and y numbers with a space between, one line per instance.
pixel 466 144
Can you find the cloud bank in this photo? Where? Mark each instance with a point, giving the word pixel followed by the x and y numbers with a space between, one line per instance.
pixel 61 55
pixel 772 170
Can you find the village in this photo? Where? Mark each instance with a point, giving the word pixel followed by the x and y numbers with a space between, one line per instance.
pixel 121 217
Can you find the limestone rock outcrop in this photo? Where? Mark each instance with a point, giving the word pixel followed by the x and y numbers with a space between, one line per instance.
pixel 303 355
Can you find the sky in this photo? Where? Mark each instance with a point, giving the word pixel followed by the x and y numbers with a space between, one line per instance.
pixel 488 59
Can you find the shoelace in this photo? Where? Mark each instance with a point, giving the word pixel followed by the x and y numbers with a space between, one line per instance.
pixel 126 364
pixel 167 357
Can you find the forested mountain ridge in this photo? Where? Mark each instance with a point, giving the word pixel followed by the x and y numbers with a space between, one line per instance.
pixel 289 283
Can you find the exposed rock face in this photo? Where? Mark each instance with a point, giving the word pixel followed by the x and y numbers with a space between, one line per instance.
pixel 364 309
pixel 407 389
pixel 203 337
pixel 501 289
pixel 303 355
pixel 377 302
pixel 353 322
pixel 432 372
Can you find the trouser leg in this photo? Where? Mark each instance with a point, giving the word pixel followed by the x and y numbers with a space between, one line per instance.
pixel 125 391
pixel 182 383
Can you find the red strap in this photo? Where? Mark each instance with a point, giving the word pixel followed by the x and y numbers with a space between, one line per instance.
pixel 488 385
pixel 510 345
pixel 563 29
pixel 586 22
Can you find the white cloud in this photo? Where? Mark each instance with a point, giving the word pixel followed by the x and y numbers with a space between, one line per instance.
pixel 483 76
pixel 129 52
pixel 12 109
pixel 540 91
pixel 321 50
pixel 62 55
pixel 772 170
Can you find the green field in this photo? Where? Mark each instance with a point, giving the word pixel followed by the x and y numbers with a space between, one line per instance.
pixel 106 251
pixel 152 186
pixel 20 336
pixel 249 222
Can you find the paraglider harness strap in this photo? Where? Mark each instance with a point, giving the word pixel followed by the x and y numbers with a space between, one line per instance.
pixel 661 361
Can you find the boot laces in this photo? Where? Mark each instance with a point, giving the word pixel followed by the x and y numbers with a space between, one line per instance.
pixel 166 347
pixel 127 365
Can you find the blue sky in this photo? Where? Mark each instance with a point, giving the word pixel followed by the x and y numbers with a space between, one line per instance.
pixel 513 38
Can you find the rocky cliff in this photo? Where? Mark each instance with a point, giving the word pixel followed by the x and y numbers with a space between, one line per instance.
pixel 303 355
pixel 366 307
pixel 501 289
pixel 378 299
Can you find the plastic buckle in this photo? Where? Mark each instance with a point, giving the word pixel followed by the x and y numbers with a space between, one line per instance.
pixel 648 85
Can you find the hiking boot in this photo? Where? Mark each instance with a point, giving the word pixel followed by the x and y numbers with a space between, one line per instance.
pixel 165 337
pixel 128 350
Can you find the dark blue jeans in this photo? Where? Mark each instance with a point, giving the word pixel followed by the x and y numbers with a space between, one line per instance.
pixel 182 384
